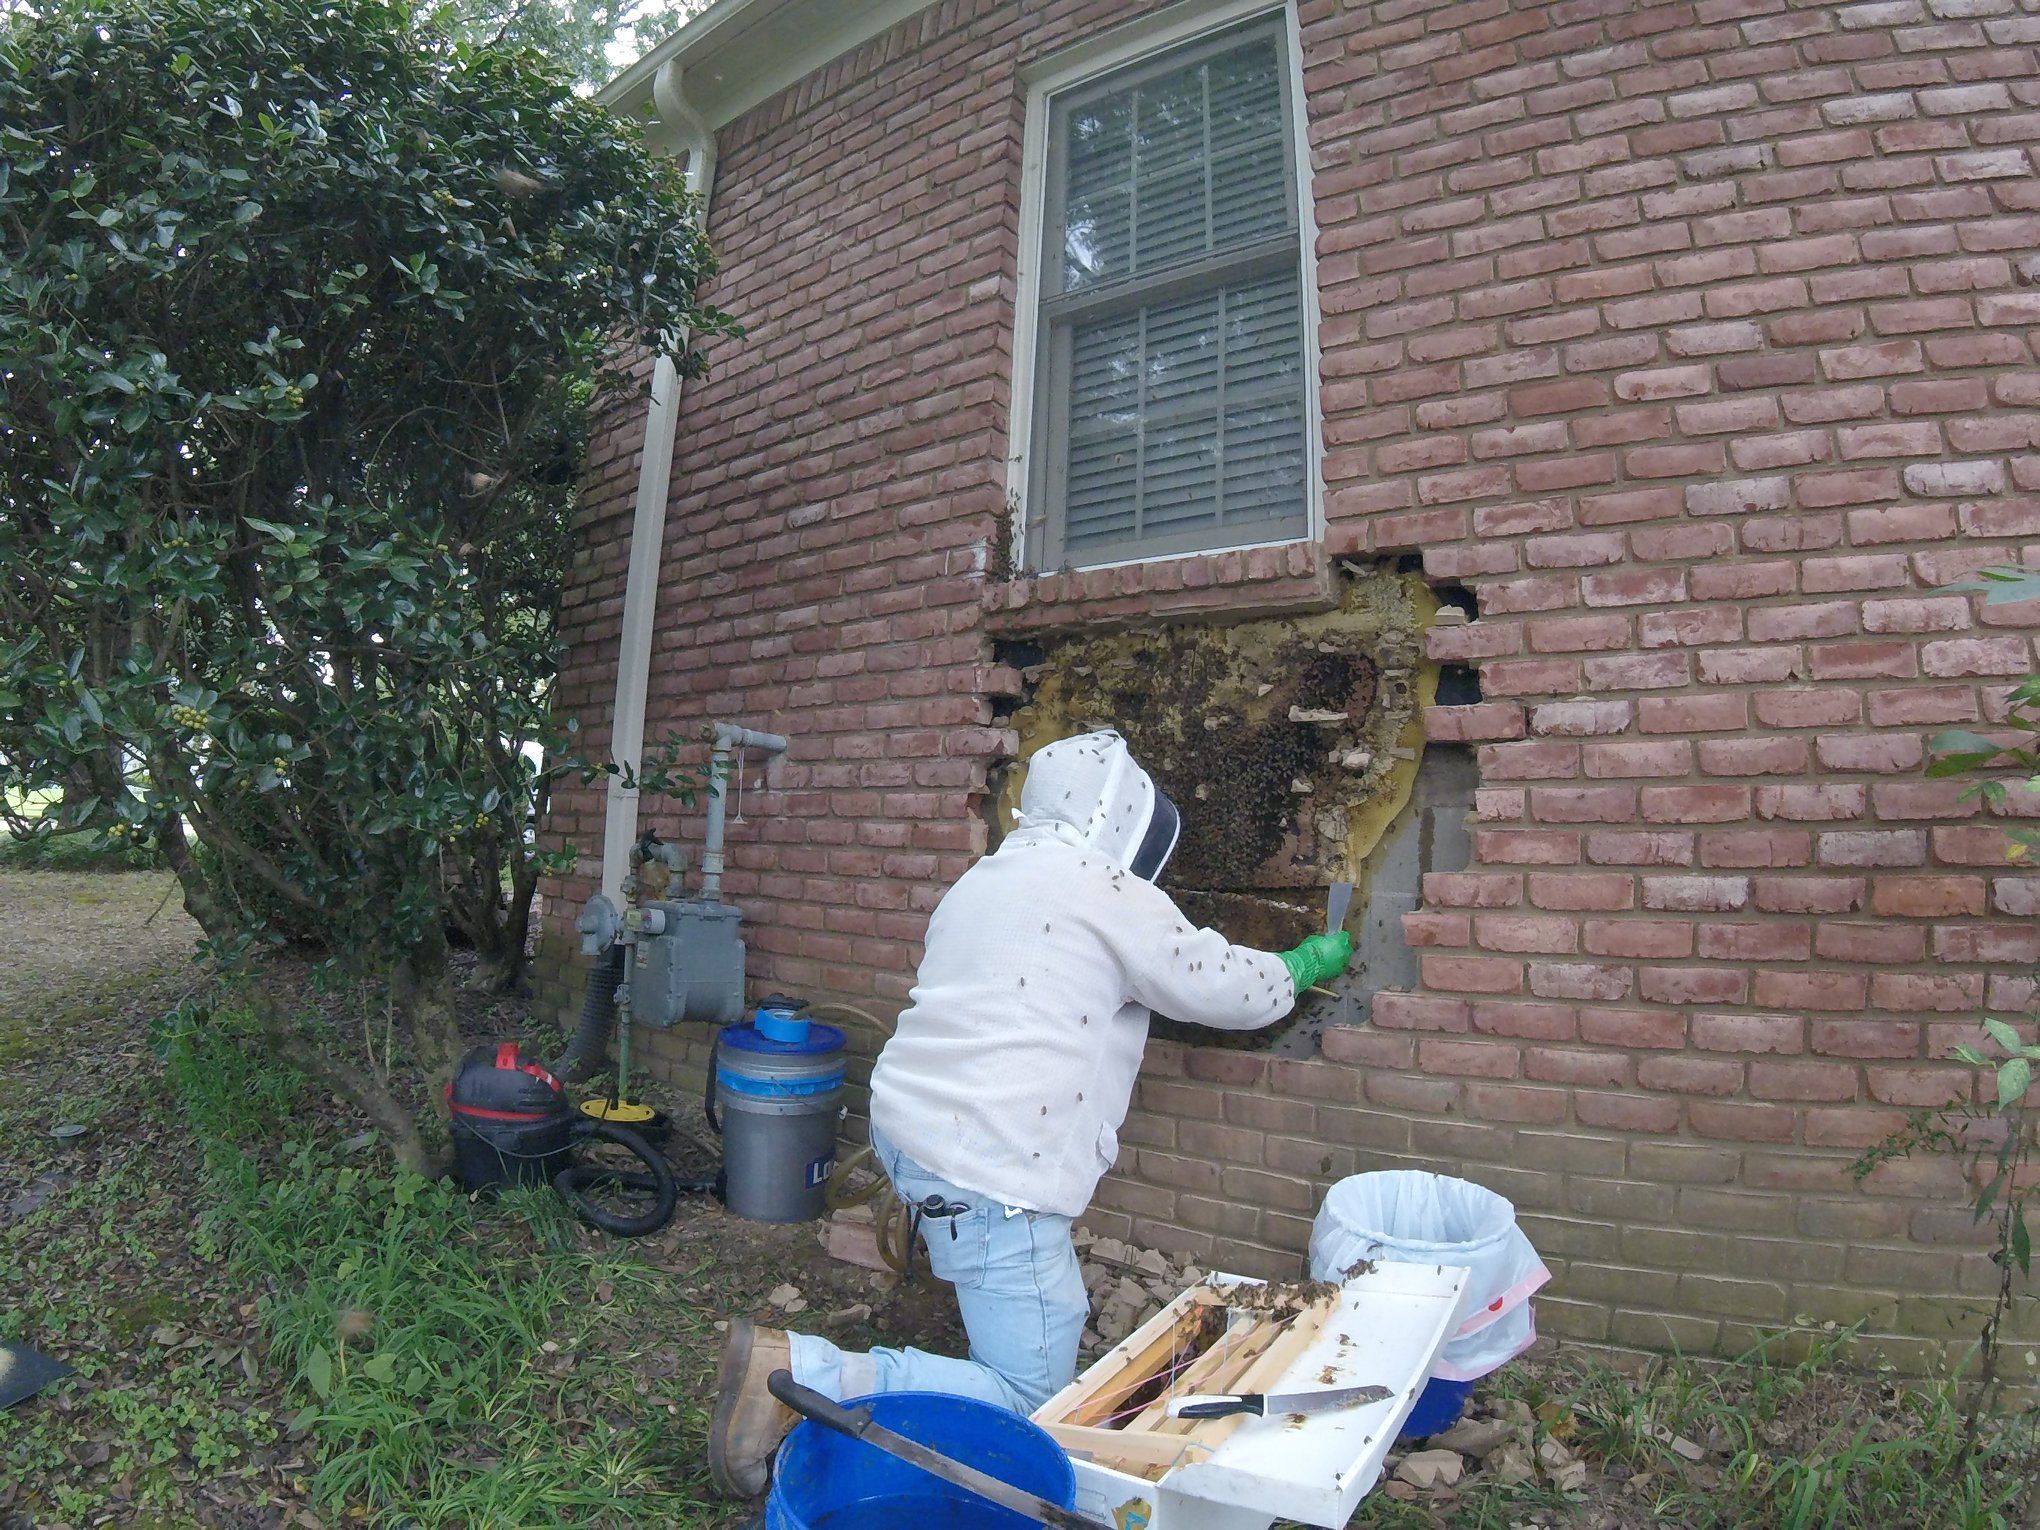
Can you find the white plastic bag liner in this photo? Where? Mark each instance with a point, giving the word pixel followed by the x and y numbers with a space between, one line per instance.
pixel 1419 1218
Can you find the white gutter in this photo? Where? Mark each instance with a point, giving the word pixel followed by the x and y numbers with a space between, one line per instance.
pixel 738 53
pixel 648 524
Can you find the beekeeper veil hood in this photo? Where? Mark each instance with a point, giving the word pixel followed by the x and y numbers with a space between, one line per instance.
pixel 1089 791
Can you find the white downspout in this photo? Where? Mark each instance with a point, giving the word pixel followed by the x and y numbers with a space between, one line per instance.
pixel 648 525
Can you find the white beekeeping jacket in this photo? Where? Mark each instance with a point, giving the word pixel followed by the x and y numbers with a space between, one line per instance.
pixel 1012 1066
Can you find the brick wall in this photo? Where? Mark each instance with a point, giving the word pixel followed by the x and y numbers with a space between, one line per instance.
pixel 1694 339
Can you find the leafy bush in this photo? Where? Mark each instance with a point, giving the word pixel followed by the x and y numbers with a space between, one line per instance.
pixel 303 309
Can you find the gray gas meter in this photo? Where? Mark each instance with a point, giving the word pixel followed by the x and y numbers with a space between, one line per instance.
pixel 690 964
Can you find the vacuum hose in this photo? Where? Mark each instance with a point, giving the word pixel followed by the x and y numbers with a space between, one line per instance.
pixel 892 1218
pixel 598 1017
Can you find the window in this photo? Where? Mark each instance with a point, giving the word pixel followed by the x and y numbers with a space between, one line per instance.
pixel 1169 397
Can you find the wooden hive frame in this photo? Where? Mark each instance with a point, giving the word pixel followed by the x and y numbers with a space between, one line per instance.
pixel 1116 1414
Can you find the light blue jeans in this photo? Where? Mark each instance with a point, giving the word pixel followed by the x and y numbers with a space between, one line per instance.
pixel 1019 1288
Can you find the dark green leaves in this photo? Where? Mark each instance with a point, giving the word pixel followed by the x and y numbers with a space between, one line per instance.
pixel 296 382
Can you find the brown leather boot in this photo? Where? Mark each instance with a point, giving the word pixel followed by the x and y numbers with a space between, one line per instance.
pixel 749 1421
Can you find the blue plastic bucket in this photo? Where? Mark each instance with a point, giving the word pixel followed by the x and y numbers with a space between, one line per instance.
pixel 1438 1408
pixel 824 1481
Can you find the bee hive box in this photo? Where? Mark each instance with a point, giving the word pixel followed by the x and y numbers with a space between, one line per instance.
pixel 1138 1469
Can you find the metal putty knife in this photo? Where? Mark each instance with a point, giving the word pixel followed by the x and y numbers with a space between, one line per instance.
pixel 1336 905
pixel 1263 1404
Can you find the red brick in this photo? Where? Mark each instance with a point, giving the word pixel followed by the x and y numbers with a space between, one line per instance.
pixel 1581 891
pixel 1526 934
pixel 1751 666
pixel 1927 897
pixel 2000 944
pixel 1942 993
pixel 1904 800
pixel 1971 847
pixel 1695 804
pixel 1474 724
pixel 1634 587
pixel 1901 523
pixel 1467 889
pixel 1515 1017
pixel 1753 848
pixel 1770 941
pixel 1429 930
pixel 1471 974
pixel 1825 707
pixel 1689 628
pixel 1573 634
pixel 1515 1102
pixel 1922 704
pixel 1611 848
pixel 1626 1112
pixel 1950 657
pixel 1630 759
pixel 1753 756
pixel 1802 1081
pixel 1580 980
pixel 1807 895
pixel 1530 677
pixel 1649 1029
pixel 1693 985
pixel 1469 1059
pixel 1886 752
pixel 1692 714
pixel 1690 1075
pixel 1950 614
pixel 1863 661
pixel 1751 1034
pixel 1780 989
pixel 1637 671
pixel 1881 847
pixel 1795 624
pixel 1731 1121
pixel 1744 581
pixel 1582 804
pixel 1881 942
pixel 1526 847
pixel 1418 1012
pixel 1691 894
pixel 1931 1088
pixel 1636 939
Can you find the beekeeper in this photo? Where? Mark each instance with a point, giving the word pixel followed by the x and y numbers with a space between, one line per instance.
pixel 1000 1093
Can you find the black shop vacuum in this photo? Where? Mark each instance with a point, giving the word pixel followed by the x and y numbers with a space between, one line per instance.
pixel 512 1124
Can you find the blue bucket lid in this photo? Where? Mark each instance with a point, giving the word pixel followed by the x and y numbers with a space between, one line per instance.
pixel 748 1038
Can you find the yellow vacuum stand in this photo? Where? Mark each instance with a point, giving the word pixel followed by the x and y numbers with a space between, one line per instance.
pixel 622 1112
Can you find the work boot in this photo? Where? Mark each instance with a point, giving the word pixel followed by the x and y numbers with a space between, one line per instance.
pixel 749 1421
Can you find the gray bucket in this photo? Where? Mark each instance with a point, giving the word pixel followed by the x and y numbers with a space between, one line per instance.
pixel 780 1102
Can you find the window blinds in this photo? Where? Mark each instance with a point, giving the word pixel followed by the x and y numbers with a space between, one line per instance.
pixel 1182 424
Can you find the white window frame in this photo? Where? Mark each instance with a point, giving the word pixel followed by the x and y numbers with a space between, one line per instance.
pixel 1080 65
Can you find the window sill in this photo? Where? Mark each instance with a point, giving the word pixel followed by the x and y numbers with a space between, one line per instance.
pixel 1293 576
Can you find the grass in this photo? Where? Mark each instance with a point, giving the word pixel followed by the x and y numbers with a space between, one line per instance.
pixel 452 1361
pixel 74 852
pixel 1797 1444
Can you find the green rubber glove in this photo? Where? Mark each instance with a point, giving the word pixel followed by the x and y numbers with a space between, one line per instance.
pixel 1318 957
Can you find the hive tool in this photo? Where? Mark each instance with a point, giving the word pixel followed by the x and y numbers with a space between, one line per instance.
pixel 1337 903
